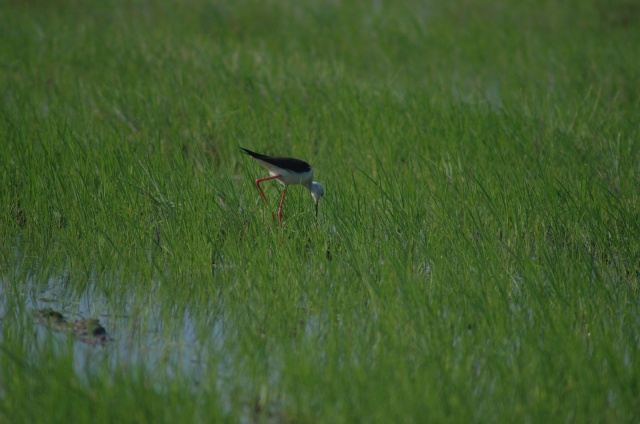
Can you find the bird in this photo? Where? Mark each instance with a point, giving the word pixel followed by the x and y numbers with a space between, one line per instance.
pixel 288 171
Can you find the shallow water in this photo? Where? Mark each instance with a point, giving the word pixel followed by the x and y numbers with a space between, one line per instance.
pixel 140 335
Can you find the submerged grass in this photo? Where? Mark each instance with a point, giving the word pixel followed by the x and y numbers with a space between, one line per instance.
pixel 476 257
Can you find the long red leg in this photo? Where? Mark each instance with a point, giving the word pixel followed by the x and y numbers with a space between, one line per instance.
pixel 259 180
pixel 281 203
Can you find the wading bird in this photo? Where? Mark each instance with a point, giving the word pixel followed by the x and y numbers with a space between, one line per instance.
pixel 288 171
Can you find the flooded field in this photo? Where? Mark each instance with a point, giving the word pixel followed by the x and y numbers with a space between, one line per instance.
pixel 475 256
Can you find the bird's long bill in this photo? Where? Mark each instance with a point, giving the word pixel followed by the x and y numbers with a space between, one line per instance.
pixel 316 210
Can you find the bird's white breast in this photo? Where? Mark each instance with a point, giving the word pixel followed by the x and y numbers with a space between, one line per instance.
pixel 286 176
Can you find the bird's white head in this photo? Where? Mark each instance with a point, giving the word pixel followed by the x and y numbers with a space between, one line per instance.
pixel 316 191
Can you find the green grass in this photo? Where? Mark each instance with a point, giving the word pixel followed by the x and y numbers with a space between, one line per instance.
pixel 477 253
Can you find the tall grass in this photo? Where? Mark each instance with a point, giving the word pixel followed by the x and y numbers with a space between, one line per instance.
pixel 476 257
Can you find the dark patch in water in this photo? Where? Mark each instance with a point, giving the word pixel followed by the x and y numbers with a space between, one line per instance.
pixel 88 330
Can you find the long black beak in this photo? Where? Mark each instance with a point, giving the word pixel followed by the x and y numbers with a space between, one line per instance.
pixel 316 210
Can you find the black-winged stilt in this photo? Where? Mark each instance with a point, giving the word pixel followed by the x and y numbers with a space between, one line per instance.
pixel 288 171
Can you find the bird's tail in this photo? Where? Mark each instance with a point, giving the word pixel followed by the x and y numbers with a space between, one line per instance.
pixel 252 154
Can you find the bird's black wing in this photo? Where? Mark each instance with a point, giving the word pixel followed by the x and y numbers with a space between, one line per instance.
pixel 295 165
